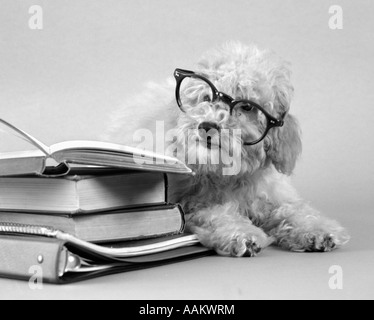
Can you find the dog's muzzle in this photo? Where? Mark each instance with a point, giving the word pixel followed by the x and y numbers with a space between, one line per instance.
pixel 208 126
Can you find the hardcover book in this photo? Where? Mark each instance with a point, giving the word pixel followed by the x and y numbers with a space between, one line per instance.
pixel 119 225
pixel 80 194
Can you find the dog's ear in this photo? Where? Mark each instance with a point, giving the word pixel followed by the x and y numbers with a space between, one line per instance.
pixel 284 145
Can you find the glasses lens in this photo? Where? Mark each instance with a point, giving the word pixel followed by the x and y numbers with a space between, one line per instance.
pixel 256 119
pixel 194 91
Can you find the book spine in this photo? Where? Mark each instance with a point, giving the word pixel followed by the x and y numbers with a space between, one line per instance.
pixel 30 258
pixel 183 217
pixel 166 178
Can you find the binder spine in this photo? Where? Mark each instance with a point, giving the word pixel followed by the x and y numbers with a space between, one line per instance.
pixel 21 256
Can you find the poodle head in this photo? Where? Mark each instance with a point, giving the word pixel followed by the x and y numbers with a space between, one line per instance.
pixel 247 89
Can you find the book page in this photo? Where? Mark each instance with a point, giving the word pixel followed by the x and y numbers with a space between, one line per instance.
pixel 104 147
pixel 14 155
pixel 25 136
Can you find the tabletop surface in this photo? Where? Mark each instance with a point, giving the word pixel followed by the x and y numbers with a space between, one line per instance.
pixel 274 274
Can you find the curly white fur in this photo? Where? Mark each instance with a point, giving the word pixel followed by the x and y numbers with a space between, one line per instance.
pixel 236 215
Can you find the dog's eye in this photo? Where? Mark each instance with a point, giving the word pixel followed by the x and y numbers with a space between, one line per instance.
pixel 207 98
pixel 247 107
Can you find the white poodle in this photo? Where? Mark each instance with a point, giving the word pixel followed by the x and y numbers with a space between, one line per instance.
pixel 240 200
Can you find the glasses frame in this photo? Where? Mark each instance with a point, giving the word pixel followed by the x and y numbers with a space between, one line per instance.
pixel 181 74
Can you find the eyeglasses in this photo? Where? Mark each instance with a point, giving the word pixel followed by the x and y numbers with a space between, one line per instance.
pixel 193 89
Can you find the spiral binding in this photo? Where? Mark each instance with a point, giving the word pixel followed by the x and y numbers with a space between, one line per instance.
pixel 16 228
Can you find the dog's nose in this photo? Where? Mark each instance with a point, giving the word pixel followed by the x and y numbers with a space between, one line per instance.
pixel 207 126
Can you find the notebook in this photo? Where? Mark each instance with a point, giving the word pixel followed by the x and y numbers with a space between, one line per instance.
pixel 28 252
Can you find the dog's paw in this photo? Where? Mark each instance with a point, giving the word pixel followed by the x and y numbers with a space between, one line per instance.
pixel 244 245
pixel 241 247
pixel 308 233
pixel 320 242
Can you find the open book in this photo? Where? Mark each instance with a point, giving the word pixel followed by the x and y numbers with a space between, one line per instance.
pixel 89 154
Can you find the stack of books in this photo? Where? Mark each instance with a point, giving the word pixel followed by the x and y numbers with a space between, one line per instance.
pixel 99 209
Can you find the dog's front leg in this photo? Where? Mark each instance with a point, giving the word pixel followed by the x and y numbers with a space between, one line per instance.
pixel 298 227
pixel 222 228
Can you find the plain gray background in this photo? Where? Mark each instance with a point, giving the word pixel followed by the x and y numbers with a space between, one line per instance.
pixel 62 82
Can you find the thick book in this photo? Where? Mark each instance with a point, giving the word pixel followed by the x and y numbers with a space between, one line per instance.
pixel 75 194
pixel 130 224
pixel 82 153
pixel 29 252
